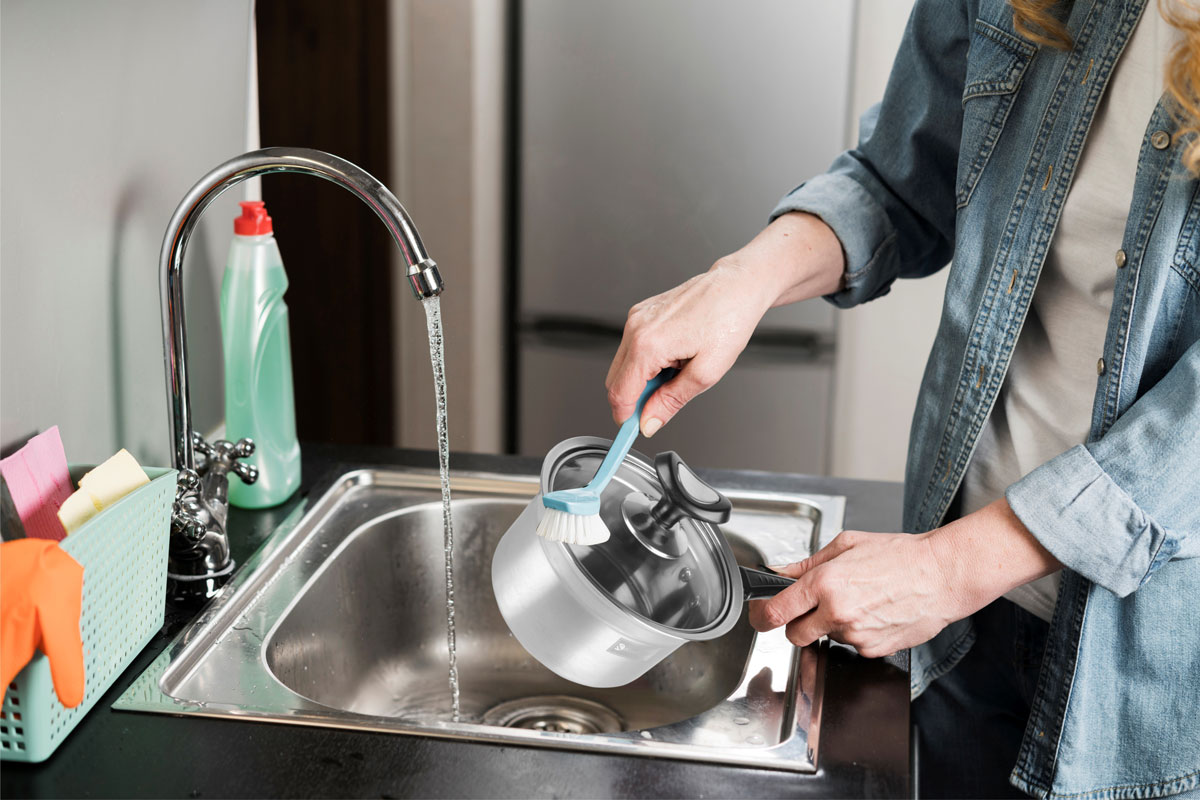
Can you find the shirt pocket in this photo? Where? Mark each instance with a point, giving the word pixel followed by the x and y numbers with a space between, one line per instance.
pixel 1187 250
pixel 1175 297
pixel 996 63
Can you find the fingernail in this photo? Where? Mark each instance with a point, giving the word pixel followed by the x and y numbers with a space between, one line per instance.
pixel 651 426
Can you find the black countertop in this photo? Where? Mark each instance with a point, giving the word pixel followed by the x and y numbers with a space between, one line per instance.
pixel 863 746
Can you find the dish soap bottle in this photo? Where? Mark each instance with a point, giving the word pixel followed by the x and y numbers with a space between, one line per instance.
pixel 259 399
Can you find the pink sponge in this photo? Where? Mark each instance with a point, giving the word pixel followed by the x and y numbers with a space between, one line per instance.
pixel 39 482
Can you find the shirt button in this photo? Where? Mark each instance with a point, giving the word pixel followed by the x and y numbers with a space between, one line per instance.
pixel 1121 258
pixel 1160 140
pixel 1100 367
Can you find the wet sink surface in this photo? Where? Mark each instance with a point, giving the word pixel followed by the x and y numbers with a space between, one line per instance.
pixel 340 621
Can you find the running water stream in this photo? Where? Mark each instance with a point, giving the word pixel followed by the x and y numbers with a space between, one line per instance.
pixel 437 354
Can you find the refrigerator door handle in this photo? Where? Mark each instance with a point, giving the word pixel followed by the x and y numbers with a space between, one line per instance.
pixel 590 334
pixel 767 345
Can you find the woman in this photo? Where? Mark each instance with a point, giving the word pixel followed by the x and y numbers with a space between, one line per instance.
pixel 1052 592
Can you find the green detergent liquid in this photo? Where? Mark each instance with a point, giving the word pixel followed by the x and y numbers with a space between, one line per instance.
pixel 259 398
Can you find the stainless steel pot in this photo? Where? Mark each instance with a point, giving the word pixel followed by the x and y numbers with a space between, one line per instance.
pixel 602 616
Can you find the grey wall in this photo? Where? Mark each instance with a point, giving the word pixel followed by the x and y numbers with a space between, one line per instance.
pixel 109 112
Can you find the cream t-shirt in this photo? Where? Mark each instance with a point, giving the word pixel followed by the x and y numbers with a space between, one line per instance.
pixel 1045 405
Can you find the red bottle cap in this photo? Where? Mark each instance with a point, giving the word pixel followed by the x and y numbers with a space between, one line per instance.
pixel 254 220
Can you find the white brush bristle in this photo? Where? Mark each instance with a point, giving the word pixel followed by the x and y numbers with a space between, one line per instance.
pixel 560 526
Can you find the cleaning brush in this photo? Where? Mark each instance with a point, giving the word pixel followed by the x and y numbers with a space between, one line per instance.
pixel 573 515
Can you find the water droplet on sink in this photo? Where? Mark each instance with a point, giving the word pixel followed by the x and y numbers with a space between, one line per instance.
pixel 755 739
pixel 741 721
pixel 685 574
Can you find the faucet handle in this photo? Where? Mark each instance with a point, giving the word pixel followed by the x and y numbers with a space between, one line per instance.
pixel 247 472
pixel 186 518
pixel 203 452
pixel 188 481
pixel 186 521
pixel 243 449
pixel 226 455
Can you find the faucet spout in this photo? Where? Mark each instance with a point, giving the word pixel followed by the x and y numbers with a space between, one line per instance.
pixel 422 274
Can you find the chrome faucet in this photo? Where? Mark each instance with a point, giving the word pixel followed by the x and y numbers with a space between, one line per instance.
pixel 200 560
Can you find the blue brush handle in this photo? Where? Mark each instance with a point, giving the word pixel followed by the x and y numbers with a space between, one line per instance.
pixel 628 432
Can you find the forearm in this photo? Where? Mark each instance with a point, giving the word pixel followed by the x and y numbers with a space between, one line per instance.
pixel 796 257
pixel 1122 506
pixel 987 553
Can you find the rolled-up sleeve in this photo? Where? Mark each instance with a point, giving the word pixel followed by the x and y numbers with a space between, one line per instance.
pixel 891 199
pixel 1120 507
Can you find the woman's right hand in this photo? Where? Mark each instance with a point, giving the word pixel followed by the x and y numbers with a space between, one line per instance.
pixel 702 325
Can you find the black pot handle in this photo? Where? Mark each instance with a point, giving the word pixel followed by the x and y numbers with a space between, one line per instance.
pixel 757 583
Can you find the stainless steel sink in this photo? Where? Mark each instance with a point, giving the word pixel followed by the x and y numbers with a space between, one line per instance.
pixel 339 620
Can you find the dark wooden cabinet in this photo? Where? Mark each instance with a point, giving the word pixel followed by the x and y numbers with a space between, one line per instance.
pixel 323 83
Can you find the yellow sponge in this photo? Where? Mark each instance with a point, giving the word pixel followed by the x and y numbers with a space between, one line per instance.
pixel 76 510
pixel 114 479
pixel 100 488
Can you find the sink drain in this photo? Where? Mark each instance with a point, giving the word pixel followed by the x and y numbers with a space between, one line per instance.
pixel 554 713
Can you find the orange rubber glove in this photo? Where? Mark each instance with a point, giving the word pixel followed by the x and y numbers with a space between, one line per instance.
pixel 41 594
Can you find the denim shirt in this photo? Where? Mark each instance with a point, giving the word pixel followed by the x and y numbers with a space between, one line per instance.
pixel 968 160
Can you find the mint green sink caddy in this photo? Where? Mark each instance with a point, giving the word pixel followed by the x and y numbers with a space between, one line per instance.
pixel 123 552
pixel 259 398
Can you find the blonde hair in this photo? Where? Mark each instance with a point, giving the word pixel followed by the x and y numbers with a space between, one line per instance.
pixel 1037 22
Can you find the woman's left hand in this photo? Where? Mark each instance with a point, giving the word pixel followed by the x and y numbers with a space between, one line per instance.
pixel 883 592
pixel 879 592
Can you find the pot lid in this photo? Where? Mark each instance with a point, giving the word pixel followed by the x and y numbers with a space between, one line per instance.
pixel 681 578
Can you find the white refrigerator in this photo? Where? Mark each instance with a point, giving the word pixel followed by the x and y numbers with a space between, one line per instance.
pixel 653 137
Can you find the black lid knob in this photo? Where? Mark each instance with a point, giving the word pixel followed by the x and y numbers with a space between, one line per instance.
pixel 686 495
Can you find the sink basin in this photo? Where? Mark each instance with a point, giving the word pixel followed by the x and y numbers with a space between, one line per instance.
pixel 369 653
pixel 340 620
